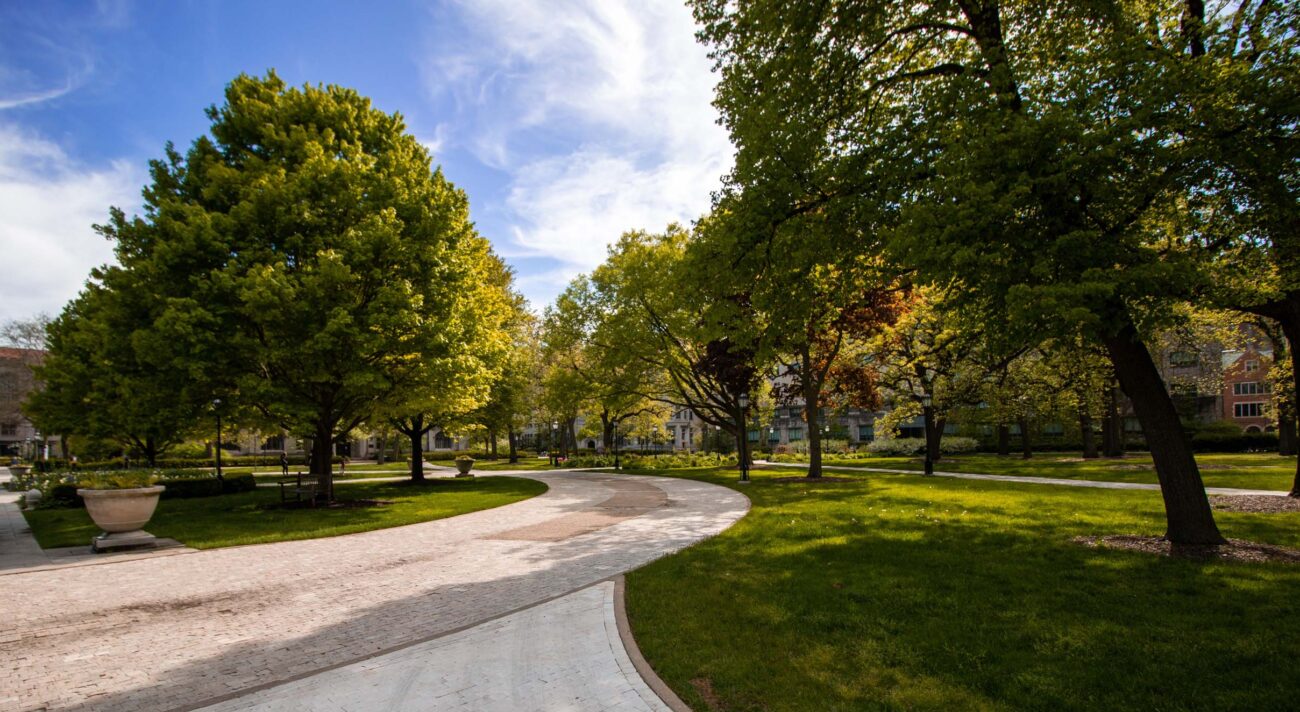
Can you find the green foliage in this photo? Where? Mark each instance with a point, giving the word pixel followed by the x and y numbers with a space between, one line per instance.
pixel 304 260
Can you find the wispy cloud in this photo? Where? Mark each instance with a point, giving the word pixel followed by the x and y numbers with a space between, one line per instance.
pixel 48 204
pixel 598 110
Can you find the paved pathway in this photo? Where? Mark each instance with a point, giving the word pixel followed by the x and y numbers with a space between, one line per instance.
pixel 183 631
pixel 1030 480
pixel 564 654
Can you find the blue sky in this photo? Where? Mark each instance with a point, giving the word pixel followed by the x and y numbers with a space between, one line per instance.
pixel 567 122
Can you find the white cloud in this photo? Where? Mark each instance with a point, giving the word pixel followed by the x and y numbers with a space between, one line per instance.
pixel 48 204
pixel 598 110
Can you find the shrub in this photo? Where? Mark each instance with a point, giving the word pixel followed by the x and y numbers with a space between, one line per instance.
pixel 897 446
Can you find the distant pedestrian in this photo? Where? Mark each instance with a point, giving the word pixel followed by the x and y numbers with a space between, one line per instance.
pixel 284 464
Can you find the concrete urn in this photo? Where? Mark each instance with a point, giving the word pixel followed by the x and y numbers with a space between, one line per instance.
pixel 19 470
pixel 463 467
pixel 122 514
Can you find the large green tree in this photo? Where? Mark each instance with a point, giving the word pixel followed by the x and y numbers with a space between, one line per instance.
pixel 310 232
pixel 1027 143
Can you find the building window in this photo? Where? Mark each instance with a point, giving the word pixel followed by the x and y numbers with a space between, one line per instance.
pixel 275 442
pixel 752 436
pixel 1251 366
pixel 8 386
pixel 866 432
pixel 1053 429
pixel 1251 388
pixel 8 428
pixel 1247 410
pixel 1183 359
pixel 795 434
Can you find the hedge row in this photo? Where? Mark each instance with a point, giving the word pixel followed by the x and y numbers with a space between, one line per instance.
pixel 180 485
pixel 168 463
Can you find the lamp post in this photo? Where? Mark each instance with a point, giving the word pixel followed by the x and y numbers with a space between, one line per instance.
pixel 742 442
pixel 555 427
pixel 927 411
pixel 654 440
pixel 216 408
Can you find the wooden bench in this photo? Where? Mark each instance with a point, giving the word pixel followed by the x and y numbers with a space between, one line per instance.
pixel 297 487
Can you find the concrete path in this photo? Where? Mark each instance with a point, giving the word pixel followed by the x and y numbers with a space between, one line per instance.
pixel 564 654
pixel 1029 480
pixel 18 549
pixel 195 629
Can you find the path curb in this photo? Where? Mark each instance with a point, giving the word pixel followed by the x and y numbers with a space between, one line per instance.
pixel 652 679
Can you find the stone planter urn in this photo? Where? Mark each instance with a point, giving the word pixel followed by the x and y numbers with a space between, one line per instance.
pixel 122 514
pixel 19 470
pixel 463 467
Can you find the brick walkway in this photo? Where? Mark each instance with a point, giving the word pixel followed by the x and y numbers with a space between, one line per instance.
pixel 182 631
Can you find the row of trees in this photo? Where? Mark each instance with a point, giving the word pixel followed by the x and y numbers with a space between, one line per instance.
pixel 969 202
pixel 303 268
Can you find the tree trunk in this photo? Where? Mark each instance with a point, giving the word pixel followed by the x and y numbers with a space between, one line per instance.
pixel 417 456
pixel 606 431
pixel 150 451
pixel 381 443
pixel 1085 433
pixel 933 431
pixel 1004 440
pixel 63 447
pixel 1286 434
pixel 1026 444
pixel 1188 517
pixel 510 438
pixel 812 412
pixel 1291 329
pixel 322 460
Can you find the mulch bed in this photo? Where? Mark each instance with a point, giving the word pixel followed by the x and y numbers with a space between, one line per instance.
pixel 1256 503
pixel 1234 550
pixel 812 480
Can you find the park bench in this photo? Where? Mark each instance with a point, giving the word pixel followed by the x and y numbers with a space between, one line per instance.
pixel 296 487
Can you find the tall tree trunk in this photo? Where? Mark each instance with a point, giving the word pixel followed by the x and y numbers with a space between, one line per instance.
pixel 382 443
pixel 1291 329
pixel 812 412
pixel 1085 434
pixel 1286 435
pixel 606 431
pixel 63 447
pixel 510 438
pixel 933 433
pixel 322 459
pixel 1004 439
pixel 1188 517
pixel 1026 444
pixel 417 454
pixel 1112 425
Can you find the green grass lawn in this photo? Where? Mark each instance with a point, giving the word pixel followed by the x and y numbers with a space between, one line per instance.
pixel 896 592
pixel 230 520
pixel 1247 471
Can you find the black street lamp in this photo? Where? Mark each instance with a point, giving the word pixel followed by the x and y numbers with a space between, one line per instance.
pixel 927 410
pixel 742 442
pixel 555 427
pixel 654 440
pixel 216 407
